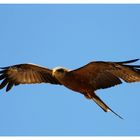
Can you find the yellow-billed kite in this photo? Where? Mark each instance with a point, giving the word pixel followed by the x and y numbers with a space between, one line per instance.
pixel 85 80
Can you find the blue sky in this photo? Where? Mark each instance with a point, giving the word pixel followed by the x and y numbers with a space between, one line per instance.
pixel 69 36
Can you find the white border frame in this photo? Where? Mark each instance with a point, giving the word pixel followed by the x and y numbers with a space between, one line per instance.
pixel 70 1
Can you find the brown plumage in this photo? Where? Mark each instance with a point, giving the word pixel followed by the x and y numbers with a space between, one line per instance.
pixel 85 80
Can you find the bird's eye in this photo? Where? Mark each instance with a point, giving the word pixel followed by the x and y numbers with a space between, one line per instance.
pixel 60 70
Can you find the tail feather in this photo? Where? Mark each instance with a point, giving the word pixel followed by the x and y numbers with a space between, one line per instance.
pixel 99 102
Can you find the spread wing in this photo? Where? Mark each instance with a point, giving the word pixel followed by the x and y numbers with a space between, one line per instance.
pixel 25 74
pixel 101 74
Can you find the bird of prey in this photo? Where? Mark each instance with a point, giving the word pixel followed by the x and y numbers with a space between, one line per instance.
pixel 85 80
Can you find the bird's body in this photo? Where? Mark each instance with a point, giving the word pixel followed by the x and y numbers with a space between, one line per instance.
pixel 71 81
pixel 85 80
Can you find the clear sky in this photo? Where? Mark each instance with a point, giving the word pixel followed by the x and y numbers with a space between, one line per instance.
pixel 69 36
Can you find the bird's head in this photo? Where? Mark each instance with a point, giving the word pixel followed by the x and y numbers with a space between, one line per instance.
pixel 59 72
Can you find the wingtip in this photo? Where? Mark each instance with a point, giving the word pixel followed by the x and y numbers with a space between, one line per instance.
pixel 134 60
pixel 4 68
pixel 128 61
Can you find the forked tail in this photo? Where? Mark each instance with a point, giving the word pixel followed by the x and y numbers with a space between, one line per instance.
pixel 99 102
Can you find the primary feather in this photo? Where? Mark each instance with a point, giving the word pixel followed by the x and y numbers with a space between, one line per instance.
pixel 25 74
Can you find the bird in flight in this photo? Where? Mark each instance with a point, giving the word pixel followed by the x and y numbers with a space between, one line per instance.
pixel 85 80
